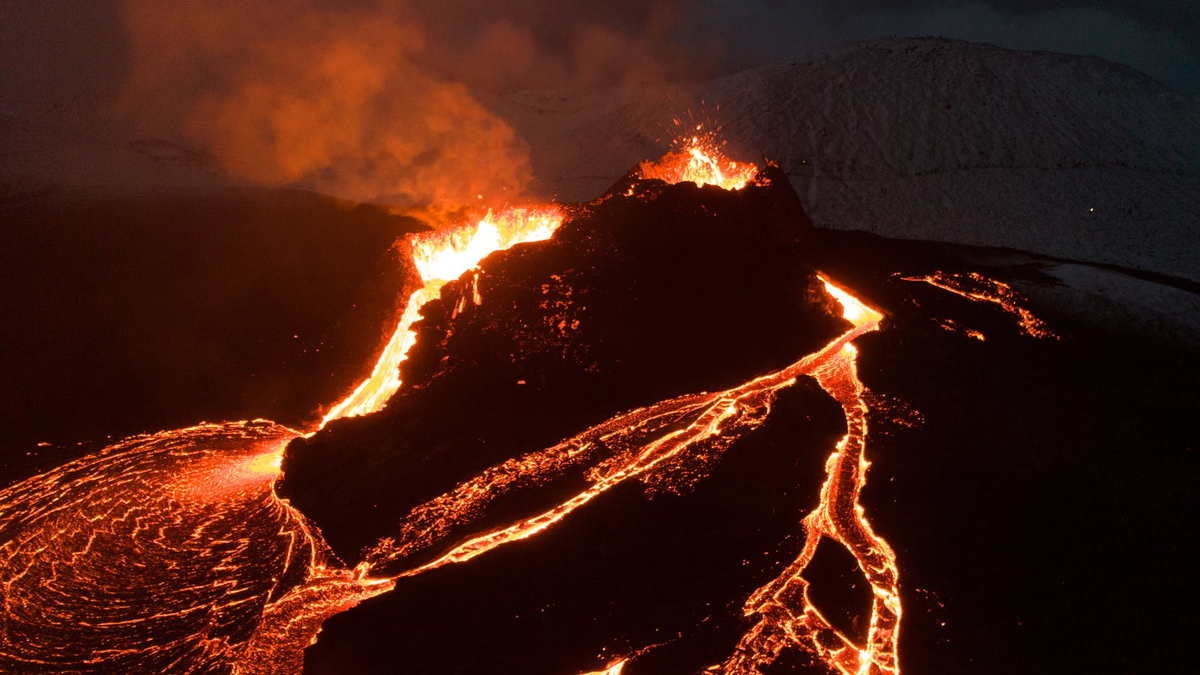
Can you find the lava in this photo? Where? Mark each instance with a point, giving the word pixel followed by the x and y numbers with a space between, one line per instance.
pixel 442 256
pixel 194 510
pixel 635 444
pixel 699 161
pixel 614 669
pixel 977 287
pixel 786 616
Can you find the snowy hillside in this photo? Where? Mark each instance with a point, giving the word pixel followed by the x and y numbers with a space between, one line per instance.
pixel 1061 155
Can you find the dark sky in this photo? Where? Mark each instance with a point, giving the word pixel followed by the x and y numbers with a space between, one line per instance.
pixel 60 46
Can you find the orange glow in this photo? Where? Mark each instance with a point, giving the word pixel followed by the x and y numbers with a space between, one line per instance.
pixel 252 472
pixel 151 532
pixel 975 286
pixel 950 325
pixel 786 615
pixel 699 161
pixel 852 310
pixel 442 256
pixel 614 669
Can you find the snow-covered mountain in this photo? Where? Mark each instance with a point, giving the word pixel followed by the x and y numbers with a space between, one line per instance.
pixel 1066 156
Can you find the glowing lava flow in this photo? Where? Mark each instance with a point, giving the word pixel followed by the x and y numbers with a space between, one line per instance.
pixel 172 551
pixel 614 669
pixel 787 618
pixel 442 256
pixel 641 441
pixel 159 553
pixel 699 161
pixel 975 286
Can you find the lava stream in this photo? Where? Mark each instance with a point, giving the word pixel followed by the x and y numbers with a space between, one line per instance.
pixel 787 618
pixel 442 256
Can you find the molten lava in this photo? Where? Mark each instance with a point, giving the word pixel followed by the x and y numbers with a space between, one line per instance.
pixel 976 287
pixel 699 161
pixel 786 615
pixel 442 256
pixel 160 550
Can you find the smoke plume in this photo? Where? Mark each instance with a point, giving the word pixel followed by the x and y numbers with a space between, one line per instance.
pixel 376 100
pixel 303 93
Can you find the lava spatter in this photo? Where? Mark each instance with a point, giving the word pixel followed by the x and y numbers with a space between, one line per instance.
pixel 699 160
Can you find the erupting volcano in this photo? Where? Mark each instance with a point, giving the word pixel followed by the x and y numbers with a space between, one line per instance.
pixel 627 436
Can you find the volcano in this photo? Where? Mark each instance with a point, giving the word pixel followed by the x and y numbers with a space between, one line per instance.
pixel 678 429
pixel 671 428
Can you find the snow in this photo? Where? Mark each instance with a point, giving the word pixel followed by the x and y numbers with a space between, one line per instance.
pixel 1118 302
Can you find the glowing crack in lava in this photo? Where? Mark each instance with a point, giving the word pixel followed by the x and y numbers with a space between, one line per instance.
pixel 976 287
pixel 699 161
pixel 164 552
pixel 442 256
